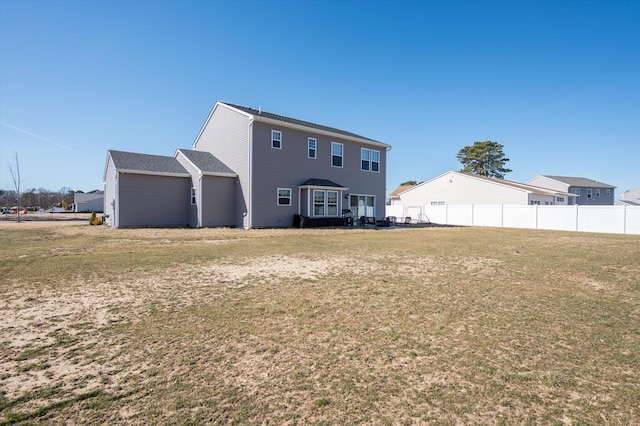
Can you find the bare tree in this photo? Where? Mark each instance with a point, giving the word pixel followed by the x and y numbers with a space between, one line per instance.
pixel 17 181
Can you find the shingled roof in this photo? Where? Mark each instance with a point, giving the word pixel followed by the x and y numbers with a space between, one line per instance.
pixel 321 183
pixel 146 163
pixel 580 182
pixel 260 113
pixel 206 162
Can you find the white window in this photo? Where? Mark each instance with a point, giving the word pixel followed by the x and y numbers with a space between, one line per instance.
pixel 325 203
pixel 589 192
pixel 365 159
pixel 575 191
pixel 276 139
pixel 608 193
pixel 597 192
pixel 337 151
pixel 375 160
pixel 438 203
pixel 332 203
pixel 560 199
pixel 193 196
pixel 318 203
pixel 312 144
pixel 284 196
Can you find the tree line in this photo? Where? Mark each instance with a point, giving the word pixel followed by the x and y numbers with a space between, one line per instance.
pixel 36 199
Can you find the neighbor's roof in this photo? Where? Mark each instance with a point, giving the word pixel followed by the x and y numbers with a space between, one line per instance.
pixel 295 121
pixel 400 189
pixel 145 163
pixel 530 188
pixel 515 185
pixel 206 162
pixel 580 182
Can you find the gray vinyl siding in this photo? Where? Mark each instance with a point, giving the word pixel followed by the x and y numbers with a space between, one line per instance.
pixel 218 201
pixel 290 166
pixel 147 200
pixel 602 200
pixel 110 194
pixel 226 136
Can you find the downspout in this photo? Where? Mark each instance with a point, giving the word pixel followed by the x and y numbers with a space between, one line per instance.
pixel 249 223
pixel 198 205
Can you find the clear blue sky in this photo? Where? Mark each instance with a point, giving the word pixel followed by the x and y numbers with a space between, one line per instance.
pixel 556 82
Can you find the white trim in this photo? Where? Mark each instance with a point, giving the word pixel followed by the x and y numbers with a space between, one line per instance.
pixel 273 139
pixel 278 197
pixel 249 223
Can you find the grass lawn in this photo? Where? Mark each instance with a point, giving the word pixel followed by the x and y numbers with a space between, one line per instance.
pixel 317 326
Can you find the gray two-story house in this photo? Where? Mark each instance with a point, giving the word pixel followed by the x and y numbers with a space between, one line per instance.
pixel 587 191
pixel 249 168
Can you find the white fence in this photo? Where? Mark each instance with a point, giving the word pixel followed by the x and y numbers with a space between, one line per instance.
pixel 609 219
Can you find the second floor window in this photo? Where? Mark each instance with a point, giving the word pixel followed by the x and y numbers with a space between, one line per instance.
pixel 375 160
pixel 369 160
pixel 312 148
pixel 589 192
pixel 276 139
pixel 337 150
pixel 365 159
pixel 575 191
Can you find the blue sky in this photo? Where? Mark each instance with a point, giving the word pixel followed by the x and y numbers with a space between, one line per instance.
pixel 556 82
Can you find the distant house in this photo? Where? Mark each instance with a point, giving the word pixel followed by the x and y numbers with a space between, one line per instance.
pixel 587 191
pixel 85 202
pixel 465 188
pixel 630 197
pixel 249 168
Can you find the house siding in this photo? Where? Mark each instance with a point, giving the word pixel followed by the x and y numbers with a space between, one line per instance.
pixel 147 200
pixel 290 166
pixel 545 182
pixel 226 136
pixel 218 201
pixel 602 200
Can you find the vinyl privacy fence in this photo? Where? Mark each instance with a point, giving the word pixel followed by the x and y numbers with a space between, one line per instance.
pixel 608 219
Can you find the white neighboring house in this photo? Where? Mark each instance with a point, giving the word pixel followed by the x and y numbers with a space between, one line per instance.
pixel 630 197
pixel 88 202
pixel 456 188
